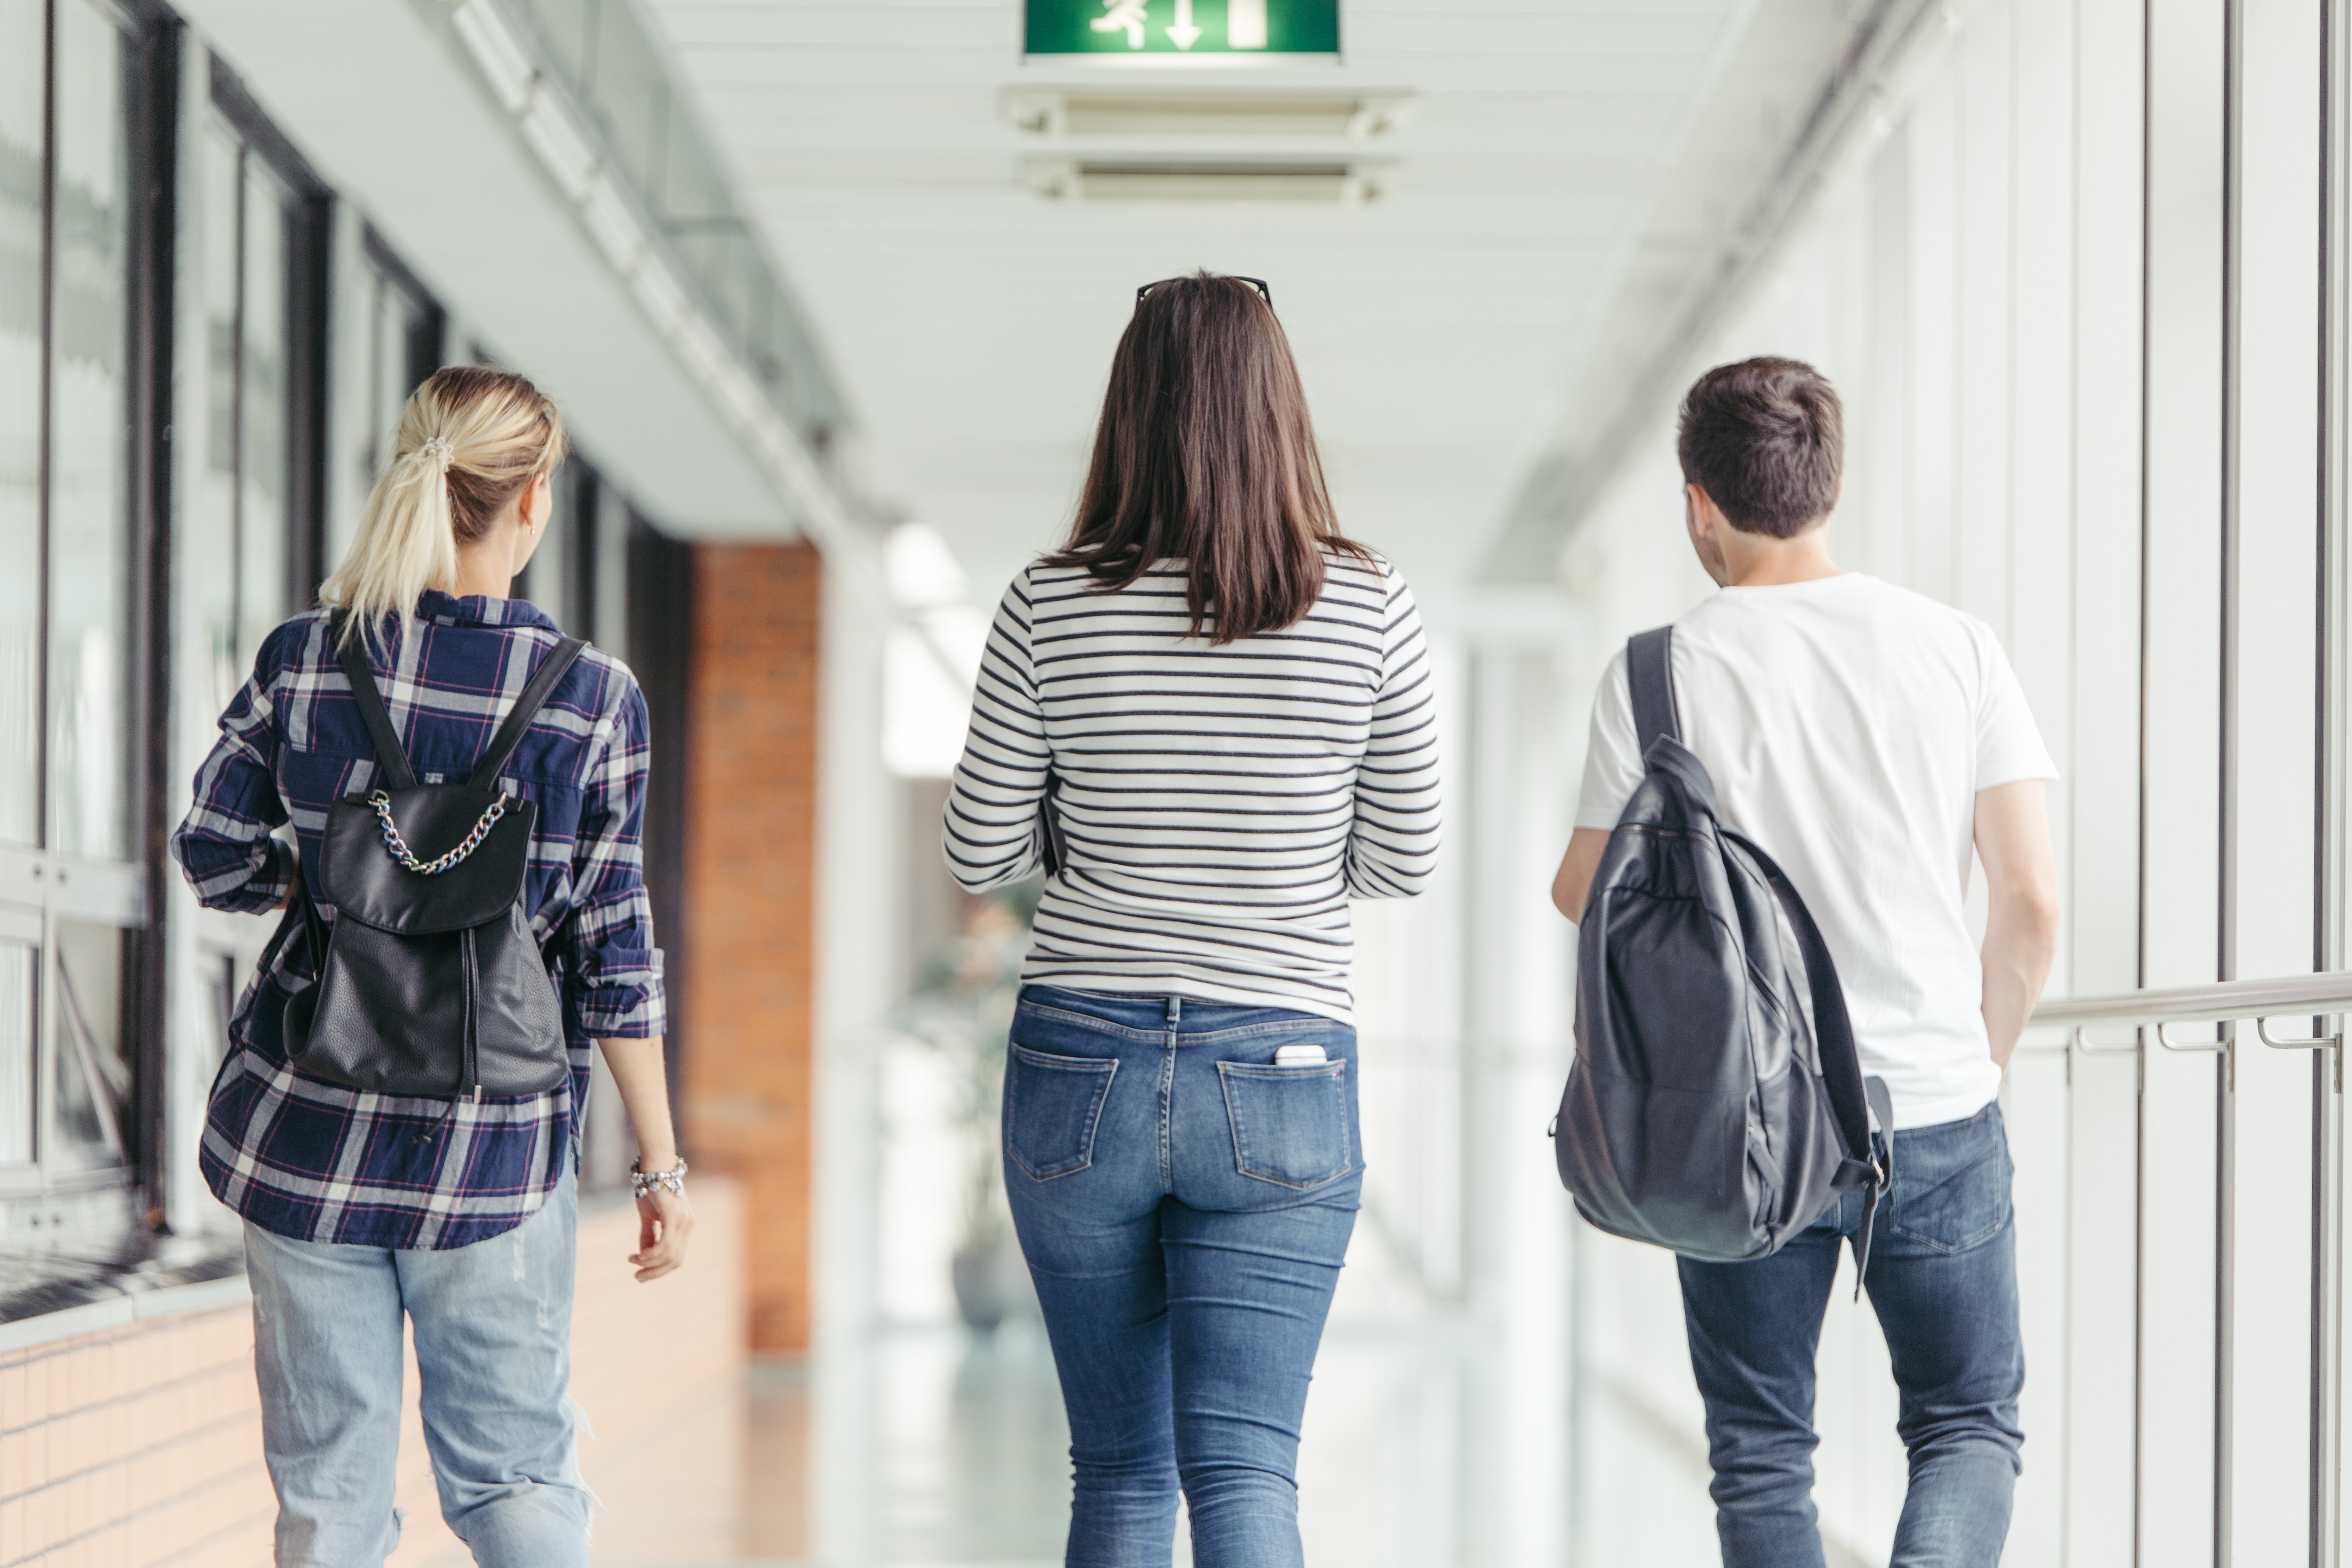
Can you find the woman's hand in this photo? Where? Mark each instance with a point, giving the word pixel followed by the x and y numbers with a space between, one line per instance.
pixel 664 1222
pixel 665 1219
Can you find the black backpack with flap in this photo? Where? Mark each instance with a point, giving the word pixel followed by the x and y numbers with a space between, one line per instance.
pixel 1717 1105
pixel 430 983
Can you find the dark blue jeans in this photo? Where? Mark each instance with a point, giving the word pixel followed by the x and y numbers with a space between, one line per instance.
pixel 1943 1279
pixel 1184 1204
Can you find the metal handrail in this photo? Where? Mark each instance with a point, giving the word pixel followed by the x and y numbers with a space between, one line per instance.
pixel 2223 1002
pixel 2220 1001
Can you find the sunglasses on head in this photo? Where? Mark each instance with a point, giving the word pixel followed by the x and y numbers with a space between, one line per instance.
pixel 1263 292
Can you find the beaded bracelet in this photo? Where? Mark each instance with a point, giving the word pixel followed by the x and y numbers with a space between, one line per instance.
pixel 642 1181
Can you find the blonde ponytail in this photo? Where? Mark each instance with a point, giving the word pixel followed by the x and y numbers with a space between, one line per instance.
pixel 469 440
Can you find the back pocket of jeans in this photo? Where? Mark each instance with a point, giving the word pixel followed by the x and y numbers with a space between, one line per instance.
pixel 1051 1107
pixel 1951 1186
pixel 1290 1123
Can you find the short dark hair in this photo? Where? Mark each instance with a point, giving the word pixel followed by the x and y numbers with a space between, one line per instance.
pixel 1765 438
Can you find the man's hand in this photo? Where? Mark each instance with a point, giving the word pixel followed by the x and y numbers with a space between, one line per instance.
pixel 2013 833
pixel 1573 880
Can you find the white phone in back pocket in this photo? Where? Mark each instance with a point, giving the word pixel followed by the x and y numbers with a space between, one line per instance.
pixel 1298 1055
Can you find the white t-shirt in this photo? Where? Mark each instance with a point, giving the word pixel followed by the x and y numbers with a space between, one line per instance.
pixel 1849 724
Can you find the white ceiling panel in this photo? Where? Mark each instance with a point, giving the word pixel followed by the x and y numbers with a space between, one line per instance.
pixel 971 319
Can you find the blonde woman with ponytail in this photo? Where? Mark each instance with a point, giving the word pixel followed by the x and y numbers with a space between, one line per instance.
pixel 366 1210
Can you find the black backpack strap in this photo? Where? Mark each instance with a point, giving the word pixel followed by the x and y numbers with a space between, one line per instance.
pixel 1650 678
pixel 390 756
pixel 534 697
pixel 300 922
pixel 1052 849
pixel 1864 1111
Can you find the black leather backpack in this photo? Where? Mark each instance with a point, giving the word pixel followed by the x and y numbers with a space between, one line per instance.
pixel 1717 1105
pixel 430 983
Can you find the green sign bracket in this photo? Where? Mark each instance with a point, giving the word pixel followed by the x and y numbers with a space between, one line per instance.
pixel 1227 32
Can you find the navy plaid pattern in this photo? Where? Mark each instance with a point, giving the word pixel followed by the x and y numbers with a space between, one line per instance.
pixel 316 1161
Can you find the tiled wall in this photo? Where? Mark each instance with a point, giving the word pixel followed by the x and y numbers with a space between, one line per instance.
pixel 748 997
pixel 139 1447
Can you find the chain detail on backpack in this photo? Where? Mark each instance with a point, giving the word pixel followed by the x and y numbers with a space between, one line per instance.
pixel 434 867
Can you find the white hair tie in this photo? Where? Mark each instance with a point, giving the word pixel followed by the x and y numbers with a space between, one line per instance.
pixel 437 449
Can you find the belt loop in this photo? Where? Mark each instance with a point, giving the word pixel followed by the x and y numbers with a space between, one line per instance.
pixel 1175 1011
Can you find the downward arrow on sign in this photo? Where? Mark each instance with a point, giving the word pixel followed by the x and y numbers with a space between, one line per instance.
pixel 1183 32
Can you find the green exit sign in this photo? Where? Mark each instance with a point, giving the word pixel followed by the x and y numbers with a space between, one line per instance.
pixel 1196 28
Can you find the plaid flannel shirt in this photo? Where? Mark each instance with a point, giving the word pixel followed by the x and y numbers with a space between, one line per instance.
pixel 316 1161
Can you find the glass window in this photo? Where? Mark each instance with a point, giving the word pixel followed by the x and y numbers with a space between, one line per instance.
pixel 20 431
pixel 73 537
pixel 548 580
pixel 233 549
pixel 388 387
pixel 87 1046
pixel 593 523
pixel 89 526
pixel 609 593
pixel 207 555
pixel 630 91
pixel 249 217
pixel 579 499
pixel 578 575
pixel 237 559
pixel 569 27
pixel 265 317
pixel 601 52
pixel 20 957
pixel 405 333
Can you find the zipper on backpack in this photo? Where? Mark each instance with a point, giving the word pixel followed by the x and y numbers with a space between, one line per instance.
pixel 471 1075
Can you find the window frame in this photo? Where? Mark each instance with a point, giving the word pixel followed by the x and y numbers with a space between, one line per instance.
pixel 310 214
pixel 424 337
pixel 213 949
pixel 41 885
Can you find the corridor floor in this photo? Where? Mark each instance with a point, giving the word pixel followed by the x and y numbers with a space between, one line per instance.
pixel 935 1447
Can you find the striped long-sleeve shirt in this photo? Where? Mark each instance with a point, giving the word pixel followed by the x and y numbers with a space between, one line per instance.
pixel 1219 805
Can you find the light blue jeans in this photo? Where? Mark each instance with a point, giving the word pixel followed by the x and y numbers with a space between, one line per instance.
pixel 493 1325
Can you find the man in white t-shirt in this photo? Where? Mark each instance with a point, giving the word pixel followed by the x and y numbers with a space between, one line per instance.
pixel 1868 739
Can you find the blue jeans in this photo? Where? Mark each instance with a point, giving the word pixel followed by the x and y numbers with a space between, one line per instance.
pixel 1184 1204
pixel 493 1326
pixel 1943 1279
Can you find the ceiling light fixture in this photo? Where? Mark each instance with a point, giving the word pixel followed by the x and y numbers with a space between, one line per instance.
pixel 1321 182
pixel 1356 116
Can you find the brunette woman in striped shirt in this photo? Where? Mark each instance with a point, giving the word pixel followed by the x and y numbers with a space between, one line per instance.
pixel 1208 718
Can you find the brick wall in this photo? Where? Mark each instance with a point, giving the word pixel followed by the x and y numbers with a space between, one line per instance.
pixel 748 1003
pixel 139 1447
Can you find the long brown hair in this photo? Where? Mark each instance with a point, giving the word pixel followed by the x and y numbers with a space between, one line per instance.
pixel 1205 455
